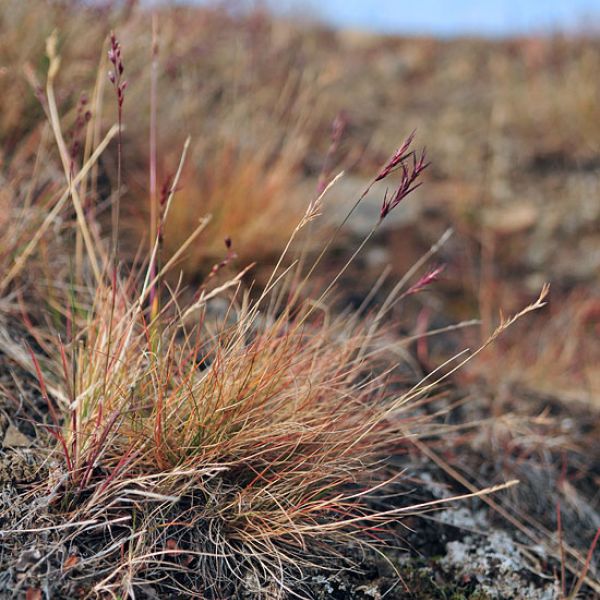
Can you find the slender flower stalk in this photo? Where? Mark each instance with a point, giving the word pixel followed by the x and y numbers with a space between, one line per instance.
pixel 338 127
pixel 154 304
pixel 407 185
pixel 120 85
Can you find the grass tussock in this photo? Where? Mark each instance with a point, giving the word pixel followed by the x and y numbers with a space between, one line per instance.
pixel 228 449
pixel 203 452
pixel 224 451
pixel 243 444
pixel 208 452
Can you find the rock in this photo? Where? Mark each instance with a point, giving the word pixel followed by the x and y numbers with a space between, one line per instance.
pixel 511 220
pixel 498 565
pixel 17 468
pixel 28 558
pixel 13 438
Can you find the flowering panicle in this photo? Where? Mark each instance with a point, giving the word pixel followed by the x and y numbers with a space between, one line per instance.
pixel 120 85
pixel 82 118
pixel 397 158
pixel 116 75
pixel 409 176
pixel 429 277
pixel 231 255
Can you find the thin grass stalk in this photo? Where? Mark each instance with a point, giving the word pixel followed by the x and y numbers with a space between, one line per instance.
pixel 154 296
pixel 21 259
pixel 54 59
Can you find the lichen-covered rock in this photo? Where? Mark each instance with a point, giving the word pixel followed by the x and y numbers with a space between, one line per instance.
pixel 498 566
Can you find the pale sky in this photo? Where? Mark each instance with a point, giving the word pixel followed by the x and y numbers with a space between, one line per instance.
pixel 450 17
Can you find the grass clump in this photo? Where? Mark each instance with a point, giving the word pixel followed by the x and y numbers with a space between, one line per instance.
pixel 208 452
pixel 230 453
pixel 207 455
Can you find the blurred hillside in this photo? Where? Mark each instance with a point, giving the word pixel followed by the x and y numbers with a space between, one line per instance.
pixel 512 129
